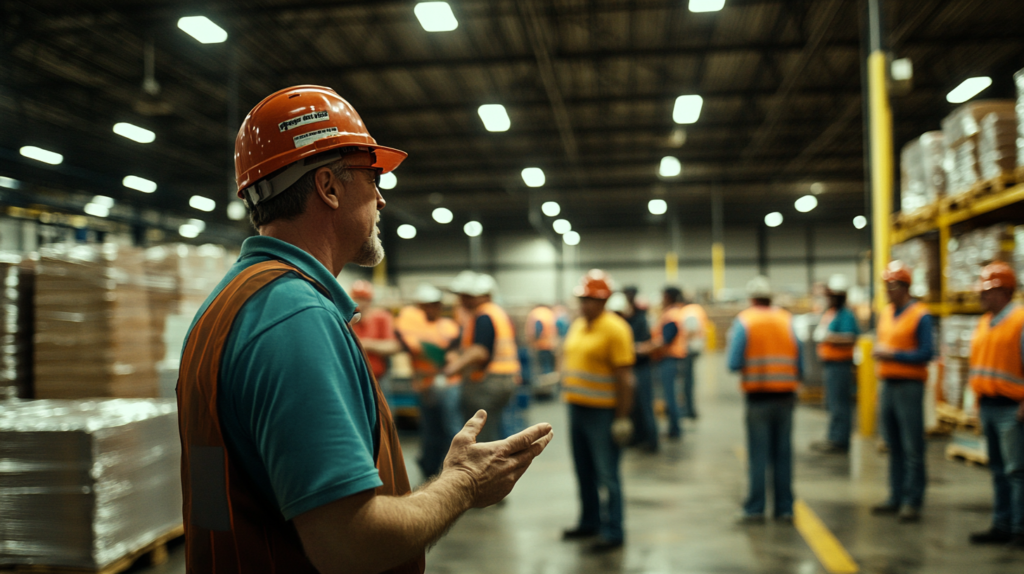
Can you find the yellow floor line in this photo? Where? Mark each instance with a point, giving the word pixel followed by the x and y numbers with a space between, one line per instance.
pixel 830 552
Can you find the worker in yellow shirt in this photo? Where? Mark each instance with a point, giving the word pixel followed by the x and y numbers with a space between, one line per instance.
pixel 997 377
pixel 426 335
pixel 597 379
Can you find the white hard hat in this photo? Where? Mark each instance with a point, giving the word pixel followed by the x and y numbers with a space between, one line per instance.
pixel 427 293
pixel 462 282
pixel 617 302
pixel 482 284
pixel 838 283
pixel 759 288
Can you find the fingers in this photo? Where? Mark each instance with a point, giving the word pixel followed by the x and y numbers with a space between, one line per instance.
pixel 523 439
pixel 522 459
pixel 474 425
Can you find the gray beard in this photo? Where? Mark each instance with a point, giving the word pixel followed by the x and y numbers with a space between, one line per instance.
pixel 371 253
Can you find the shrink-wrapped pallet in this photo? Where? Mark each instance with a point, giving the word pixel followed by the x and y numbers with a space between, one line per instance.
pixel 997 144
pixel 922 256
pixel 16 312
pixel 84 483
pixel 957 333
pixel 1018 79
pixel 922 177
pixel 962 132
pixel 969 252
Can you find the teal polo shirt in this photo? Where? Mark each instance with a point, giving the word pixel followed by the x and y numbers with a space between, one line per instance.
pixel 295 399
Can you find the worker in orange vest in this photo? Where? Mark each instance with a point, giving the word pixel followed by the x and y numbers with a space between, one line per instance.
pixel 427 336
pixel 997 377
pixel 375 329
pixel 488 358
pixel 765 350
pixel 836 334
pixel 645 424
pixel 597 380
pixel 905 347
pixel 542 337
pixel 669 335
pixel 695 323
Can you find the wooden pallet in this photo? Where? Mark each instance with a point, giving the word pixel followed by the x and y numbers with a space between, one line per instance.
pixel 998 184
pixel 968 456
pixel 920 216
pixel 152 554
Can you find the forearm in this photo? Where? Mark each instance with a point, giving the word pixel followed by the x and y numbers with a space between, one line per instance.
pixel 623 392
pixel 474 355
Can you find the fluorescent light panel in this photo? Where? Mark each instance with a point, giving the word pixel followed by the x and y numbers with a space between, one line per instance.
pixel 534 177
pixel 188 230
pixel 139 183
pixel 202 29
pixel 860 222
pixel 561 226
pixel 473 228
pixel 773 219
pixel 236 210
pixel 134 132
pixel 550 208
pixel 687 109
pixel 657 206
pixel 9 183
pixel 495 117
pixel 202 203
pixel 968 89
pixel 442 215
pixel 670 167
pixel 406 231
pixel 571 238
pixel 97 210
pixel 388 180
pixel 40 154
pixel 706 5
pixel 436 16
pixel 806 203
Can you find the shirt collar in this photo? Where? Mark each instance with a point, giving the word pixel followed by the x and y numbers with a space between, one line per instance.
pixel 273 248
pixel 1002 314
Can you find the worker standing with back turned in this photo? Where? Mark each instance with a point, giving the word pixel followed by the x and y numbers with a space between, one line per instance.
pixel 695 323
pixel 836 334
pixel 997 377
pixel 669 336
pixel 597 377
pixel 905 343
pixel 765 350
pixel 290 458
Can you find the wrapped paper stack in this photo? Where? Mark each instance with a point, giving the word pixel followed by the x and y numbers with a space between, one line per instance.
pixel 922 178
pixel 997 144
pixel 92 324
pixel 923 258
pixel 962 130
pixel 973 250
pixel 957 332
pixel 16 312
pixel 86 482
pixel 1018 79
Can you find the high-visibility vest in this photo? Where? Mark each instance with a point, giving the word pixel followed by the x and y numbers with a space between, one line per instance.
pixel 505 356
pixel 676 348
pixel 771 358
pixel 696 311
pixel 229 526
pixel 585 381
pixel 415 329
pixel 548 337
pixel 833 352
pixel 996 369
pixel 379 320
pixel 900 334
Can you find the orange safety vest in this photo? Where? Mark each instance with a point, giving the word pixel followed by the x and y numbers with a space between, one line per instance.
pixel 230 527
pixel 548 333
pixel 695 310
pixel 833 352
pixel 677 347
pixel 996 369
pixel 415 330
pixel 505 357
pixel 900 334
pixel 770 361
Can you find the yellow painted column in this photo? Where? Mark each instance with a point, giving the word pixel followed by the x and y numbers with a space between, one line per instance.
pixel 671 267
pixel 380 272
pixel 881 169
pixel 867 387
pixel 717 269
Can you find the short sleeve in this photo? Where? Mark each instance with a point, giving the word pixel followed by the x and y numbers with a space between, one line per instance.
pixel 303 412
pixel 483 333
pixel 621 349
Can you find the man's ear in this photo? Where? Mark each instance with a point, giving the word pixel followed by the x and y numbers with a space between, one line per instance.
pixel 328 187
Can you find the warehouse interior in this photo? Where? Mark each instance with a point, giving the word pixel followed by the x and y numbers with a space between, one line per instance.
pixel 670 143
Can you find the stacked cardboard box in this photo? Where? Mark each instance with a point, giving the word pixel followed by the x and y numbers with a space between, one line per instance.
pixel 922 256
pixel 971 251
pixel 955 348
pixel 962 131
pixel 16 312
pixel 922 178
pixel 86 482
pixel 997 144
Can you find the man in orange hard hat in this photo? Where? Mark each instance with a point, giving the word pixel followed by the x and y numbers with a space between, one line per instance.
pixel 375 329
pixel 904 349
pixel 597 379
pixel 290 459
pixel 997 377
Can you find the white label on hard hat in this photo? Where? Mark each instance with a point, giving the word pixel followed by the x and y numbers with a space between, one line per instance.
pixel 310 118
pixel 310 137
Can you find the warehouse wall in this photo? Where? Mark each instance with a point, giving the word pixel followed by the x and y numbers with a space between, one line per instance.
pixel 526 266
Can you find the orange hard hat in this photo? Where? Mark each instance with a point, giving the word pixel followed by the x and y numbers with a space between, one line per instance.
pixel 995 275
pixel 295 124
pixel 362 290
pixel 596 284
pixel 897 271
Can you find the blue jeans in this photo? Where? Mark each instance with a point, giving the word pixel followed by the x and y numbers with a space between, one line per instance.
pixel 1005 435
pixel 439 423
pixel 839 399
pixel 903 428
pixel 769 441
pixel 644 424
pixel 669 368
pixel 690 408
pixel 545 362
pixel 596 458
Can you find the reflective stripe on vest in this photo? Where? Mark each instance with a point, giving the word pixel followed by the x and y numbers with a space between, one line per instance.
pixel 996 369
pixel 589 389
pixel 549 332
pixel 771 357
pixel 833 352
pixel 505 357
pixel 900 334
pixel 676 347
pixel 230 527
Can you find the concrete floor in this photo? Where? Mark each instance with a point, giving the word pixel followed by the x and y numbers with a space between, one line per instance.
pixel 681 505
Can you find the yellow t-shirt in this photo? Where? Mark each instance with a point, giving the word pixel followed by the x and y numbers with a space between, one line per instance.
pixel 591 355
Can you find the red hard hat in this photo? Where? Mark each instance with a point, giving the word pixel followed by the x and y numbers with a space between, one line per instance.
pixel 897 271
pixel 362 290
pixel 596 284
pixel 296 123
pixel 997 274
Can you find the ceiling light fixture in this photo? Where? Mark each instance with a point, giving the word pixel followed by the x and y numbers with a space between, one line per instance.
pixel 96 210
pixel 198 224
pixel 534 177
pixel 188 230
pixel 406 231
pixel 968 89
pixel 203 29
pixel 670 167
pixel 495 117
pixel 134 132
pixel 473 228
pixel 561 226
pixel 388 180
pixel 706 5
pixel 806 203
pixel 550 208
pixel 436 16
pixel 9 183
pixel 657 206
pixel 860 222
pixel 103 200
pixel 139 183
pixel 773 219
pixel 442 215
pixel 236 210
pixel 202 203
pixel 40 154
pixel 687 109
pixel 571 238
